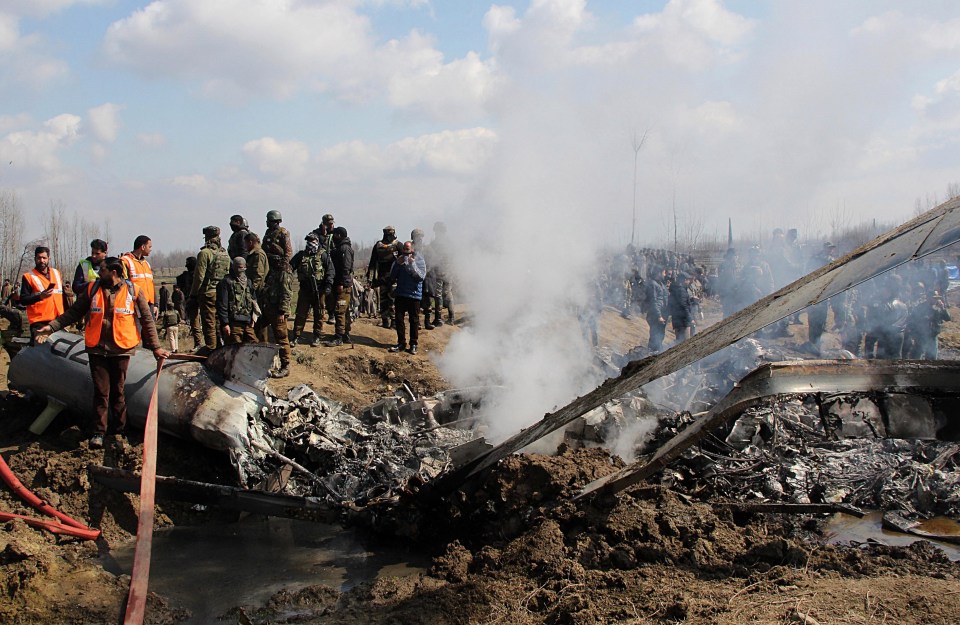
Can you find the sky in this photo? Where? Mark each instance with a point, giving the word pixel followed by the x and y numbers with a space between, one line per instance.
pixel 162 117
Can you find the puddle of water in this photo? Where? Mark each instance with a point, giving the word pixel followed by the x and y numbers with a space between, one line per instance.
pixel 843 528
pixel 209 569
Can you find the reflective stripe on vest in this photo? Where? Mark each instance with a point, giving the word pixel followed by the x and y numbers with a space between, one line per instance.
pixel 48 308
pixel 124 321
pixel 141 274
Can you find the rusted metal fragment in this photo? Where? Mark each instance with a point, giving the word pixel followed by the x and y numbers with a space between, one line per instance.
pixel 812 376
pixel 228 497
pixel 922 235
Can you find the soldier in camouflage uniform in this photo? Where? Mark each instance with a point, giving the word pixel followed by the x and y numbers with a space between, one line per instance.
pixel 378 271
pixel 276 240
pixel 324 232
pixel 235 304
pixel 275 306
pixel 315 275
pixel 257 264
pixel 240 228
pixel 213 263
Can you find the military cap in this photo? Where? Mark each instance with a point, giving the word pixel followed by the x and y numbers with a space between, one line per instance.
pixel 211 231
pixel 389 229
pixel 327 218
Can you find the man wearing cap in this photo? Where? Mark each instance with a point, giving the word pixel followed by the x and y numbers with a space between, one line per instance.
pixel 213 264
pixel 276 240
pixel 236 303
pixel 324 233
pixel 239 228
pixel 385 251
pixel 315 275
pixel 342 258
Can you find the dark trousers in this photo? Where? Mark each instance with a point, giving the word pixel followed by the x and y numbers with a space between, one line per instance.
pixel 308 302
pixel 657 332
pixel 240 333
pixel 109 375
pixel 271 319
pixel 343 321
pixel 409 307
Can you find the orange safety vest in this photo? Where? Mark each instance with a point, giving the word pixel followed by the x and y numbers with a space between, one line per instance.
pixel 49 308
pixel 140 273
pixel 124 322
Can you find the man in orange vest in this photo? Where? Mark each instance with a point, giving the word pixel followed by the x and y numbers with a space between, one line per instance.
pixel 41 290
pixel 112 305
pixel 139 270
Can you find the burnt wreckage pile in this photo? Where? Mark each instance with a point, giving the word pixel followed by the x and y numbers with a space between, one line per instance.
pixel 394 447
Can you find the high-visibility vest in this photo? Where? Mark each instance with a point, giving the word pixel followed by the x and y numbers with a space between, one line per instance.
pixel 124 320
pixel 140 273
pixel 48 308
pixel 89 270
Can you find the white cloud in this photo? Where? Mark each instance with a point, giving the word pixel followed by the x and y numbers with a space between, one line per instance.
pixel 152 139
pixel 277 158
pixel 104 122
pixel 40 149
pixel 236 50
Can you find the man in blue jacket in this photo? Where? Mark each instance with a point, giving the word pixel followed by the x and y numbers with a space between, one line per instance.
pixel 408 270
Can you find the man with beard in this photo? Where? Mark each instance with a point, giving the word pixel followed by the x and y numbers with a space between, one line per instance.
pixel 139 270
pixel 41 291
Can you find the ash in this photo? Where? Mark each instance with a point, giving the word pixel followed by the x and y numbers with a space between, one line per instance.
pixel 393 448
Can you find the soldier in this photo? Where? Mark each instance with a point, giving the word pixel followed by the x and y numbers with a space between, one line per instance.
pixel 315 275
pixel 276 240
pixel 191 312
pixel 378 271
pixel 139 270
pixel 239 228
pixel 257 263
pixel 41 291
pixel 324 233
pixel 6 292
pixel 213 263
pixel 342 257
pixel 657 309
pixel 235 304
pixel 275 306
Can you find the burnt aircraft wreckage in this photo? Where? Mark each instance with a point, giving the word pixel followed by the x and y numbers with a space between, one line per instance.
pixel 404 447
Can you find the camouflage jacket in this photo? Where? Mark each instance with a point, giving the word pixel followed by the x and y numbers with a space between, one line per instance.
pixel 278 292
pixel 276 242
pixel 213 263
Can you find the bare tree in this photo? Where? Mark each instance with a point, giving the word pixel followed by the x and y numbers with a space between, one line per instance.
pixel 637 144
pixel 11 234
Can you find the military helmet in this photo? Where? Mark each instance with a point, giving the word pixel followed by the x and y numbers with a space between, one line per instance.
pixel 328 218
pixel 211 231
pixel 390 229
pixel 274 215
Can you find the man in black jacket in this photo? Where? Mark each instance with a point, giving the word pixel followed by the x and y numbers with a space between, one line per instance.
pixel 342 257
pixel 315 275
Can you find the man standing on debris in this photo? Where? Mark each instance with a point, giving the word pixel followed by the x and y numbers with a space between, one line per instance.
pixel 239 229
pixel 658 310
pixel 236 303
pixel 315 275
pixel 41 290
pixel 213 263
pixel 275 306
pixel 384 253
pixel 408 271
pixel 112 306
pixel 276 240
pixel 342 258
pixel 191 312
pixel 139 270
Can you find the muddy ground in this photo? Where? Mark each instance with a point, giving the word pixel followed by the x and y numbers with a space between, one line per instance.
pixel 512 548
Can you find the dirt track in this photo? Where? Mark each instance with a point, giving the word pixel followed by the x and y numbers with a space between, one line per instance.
pixel 511 549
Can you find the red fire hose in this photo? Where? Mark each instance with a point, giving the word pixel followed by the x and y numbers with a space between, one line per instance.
pixel 68 526
pixel 140 575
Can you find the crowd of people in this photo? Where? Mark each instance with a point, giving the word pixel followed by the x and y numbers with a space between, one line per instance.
pixel 897 315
